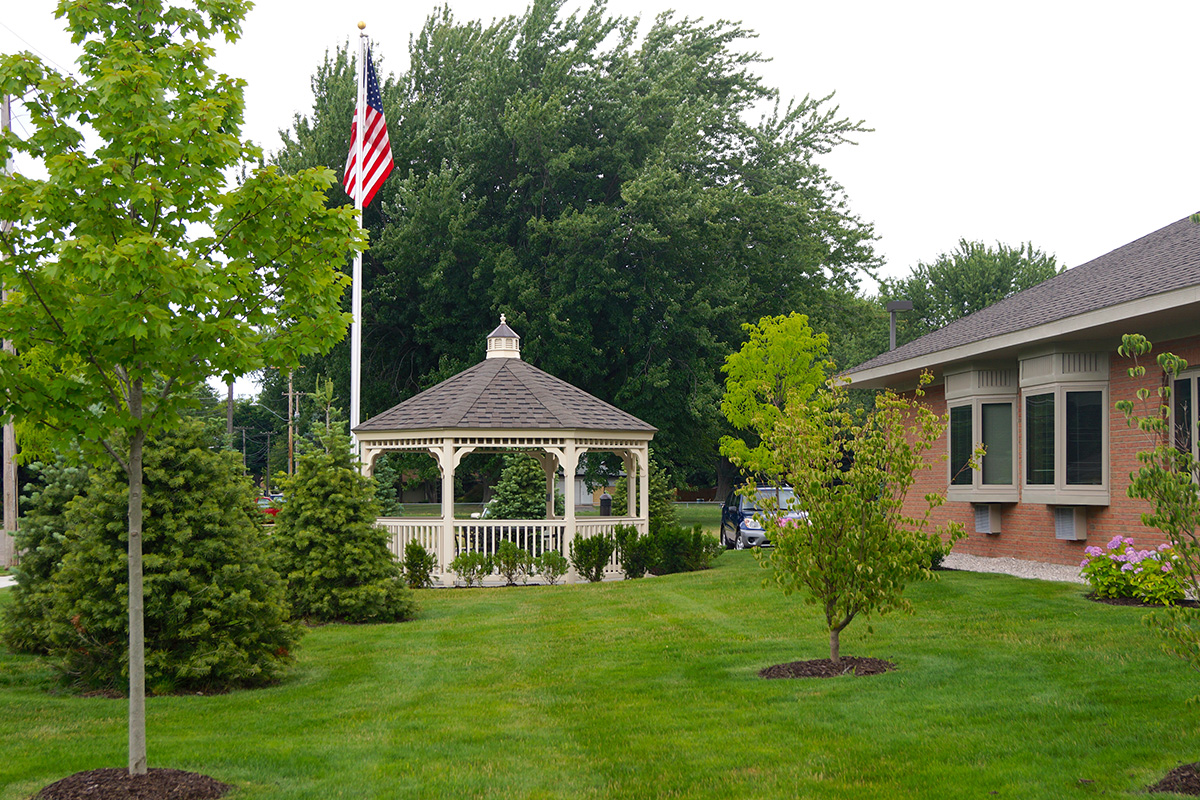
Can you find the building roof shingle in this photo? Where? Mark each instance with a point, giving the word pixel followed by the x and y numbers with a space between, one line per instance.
pixel 1163 261
pixel 504 393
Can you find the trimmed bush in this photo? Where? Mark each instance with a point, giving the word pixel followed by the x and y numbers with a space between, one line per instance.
pixel 634 552
pixel 551 565
pixel 678 549
pixel 513 562
pixel 472 567
pixel 215 613
pixel 334 558
pixel 591 554
pixel 419 565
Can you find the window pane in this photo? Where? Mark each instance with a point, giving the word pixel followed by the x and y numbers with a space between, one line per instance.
pixel 1039 439
pixel 997 438
pixel 961 446
pixel 1085 438
pixel 1184 423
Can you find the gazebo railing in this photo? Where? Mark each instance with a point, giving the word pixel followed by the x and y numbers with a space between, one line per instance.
pixel 485 536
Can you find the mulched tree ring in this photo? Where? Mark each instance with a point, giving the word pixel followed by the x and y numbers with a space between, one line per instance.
pixel 824 668
pixel 112 783
pixel 1181 780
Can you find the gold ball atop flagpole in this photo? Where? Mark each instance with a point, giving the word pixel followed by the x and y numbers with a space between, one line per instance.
pixel 362 26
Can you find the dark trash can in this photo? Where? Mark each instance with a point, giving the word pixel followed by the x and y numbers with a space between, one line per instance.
pixel 605 505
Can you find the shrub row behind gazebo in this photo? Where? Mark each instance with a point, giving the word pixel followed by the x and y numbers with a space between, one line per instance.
pixel 505 405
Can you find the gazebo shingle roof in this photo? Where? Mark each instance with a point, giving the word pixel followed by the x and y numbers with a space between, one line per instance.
pixel 504 393
pixel 1162 261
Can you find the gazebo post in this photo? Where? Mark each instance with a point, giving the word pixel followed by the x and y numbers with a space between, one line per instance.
pixel 643 457
pixel 445 457
pixel 570 460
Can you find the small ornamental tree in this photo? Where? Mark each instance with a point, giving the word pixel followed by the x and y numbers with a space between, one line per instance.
pixel 1169 478
pixel 333 556
pixel 215 612
pixel 42 541
pixel 521 491
pixel 857 549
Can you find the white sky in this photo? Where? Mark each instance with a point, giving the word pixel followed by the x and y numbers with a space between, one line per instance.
pixel 1069 124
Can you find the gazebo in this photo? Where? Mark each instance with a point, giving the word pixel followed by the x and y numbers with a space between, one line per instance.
pixel 503 404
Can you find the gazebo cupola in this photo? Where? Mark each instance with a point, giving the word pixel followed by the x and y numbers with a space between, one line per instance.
pixel 503 342
pixel 503 405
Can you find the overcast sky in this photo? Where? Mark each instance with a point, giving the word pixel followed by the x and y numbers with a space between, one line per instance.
pixel 1072 125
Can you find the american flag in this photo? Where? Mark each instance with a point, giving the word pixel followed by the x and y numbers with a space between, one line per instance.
pixel 377 149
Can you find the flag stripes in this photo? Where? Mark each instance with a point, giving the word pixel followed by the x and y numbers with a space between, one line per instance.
pixel 376 147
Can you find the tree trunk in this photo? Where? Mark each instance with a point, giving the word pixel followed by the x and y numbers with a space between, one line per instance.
pixel 834 654
pixel 137 637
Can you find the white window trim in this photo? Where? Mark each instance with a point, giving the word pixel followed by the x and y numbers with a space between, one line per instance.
pixel 1059 493
pixel 978 491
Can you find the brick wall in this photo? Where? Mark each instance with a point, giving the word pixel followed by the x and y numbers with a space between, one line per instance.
pixel 1028 528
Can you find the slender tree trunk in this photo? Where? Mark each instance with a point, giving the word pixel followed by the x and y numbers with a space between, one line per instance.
pixel 137 635
pixel 834 654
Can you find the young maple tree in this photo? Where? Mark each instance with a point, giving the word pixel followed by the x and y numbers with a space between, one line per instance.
pixel 857 547
pixel 132 269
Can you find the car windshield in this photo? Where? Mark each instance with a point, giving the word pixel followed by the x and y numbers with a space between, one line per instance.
pixel 785 497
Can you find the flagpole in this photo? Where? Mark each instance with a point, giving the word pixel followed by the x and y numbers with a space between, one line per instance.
pixel 356 276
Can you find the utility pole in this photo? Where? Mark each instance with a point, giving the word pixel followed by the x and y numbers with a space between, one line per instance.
pixel 229 413
pixel 8 552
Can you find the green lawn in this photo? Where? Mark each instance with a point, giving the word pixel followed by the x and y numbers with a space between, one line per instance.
pixel 707 515
pixel 1005 688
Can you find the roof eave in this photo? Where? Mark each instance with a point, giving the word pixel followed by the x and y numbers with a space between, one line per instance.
pixel 1155 310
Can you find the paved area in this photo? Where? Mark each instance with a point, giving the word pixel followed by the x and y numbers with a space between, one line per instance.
pixel 6 581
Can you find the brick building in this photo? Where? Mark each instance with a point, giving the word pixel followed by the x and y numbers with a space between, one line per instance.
pixel 1035 378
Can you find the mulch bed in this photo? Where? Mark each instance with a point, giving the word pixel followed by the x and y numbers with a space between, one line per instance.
pixel 1181 780
pixel 112 783
pixel 824 668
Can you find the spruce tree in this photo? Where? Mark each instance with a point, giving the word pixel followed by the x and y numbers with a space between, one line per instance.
pixel 215 613
pixel 521 491
pixel 42 542
pixel 334 558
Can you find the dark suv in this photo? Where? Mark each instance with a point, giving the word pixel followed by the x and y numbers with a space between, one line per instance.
pixel 739 528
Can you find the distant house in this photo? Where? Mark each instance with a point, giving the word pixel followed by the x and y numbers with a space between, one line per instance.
pixel 1035 377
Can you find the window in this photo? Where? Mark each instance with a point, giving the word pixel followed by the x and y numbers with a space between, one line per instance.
pixel 982 403
pixel 1066 439
pixel 990 422
pixel 1065 428
pixel 1184 395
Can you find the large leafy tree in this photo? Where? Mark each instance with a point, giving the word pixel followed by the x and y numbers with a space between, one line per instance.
pixel 969 278
pixel 131 267
pixel 616 196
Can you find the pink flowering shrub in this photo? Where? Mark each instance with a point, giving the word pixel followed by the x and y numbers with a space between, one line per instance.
pixel 1122 570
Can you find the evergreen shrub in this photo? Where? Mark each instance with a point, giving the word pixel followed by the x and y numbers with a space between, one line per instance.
pixel 41 540
pixel 513 563
pixel 591 554
pixel 419 565
pixel 551 565
pixel 635 552
pixel 215 612
pixel 678 549
pixel 472 567
pixel 335 559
